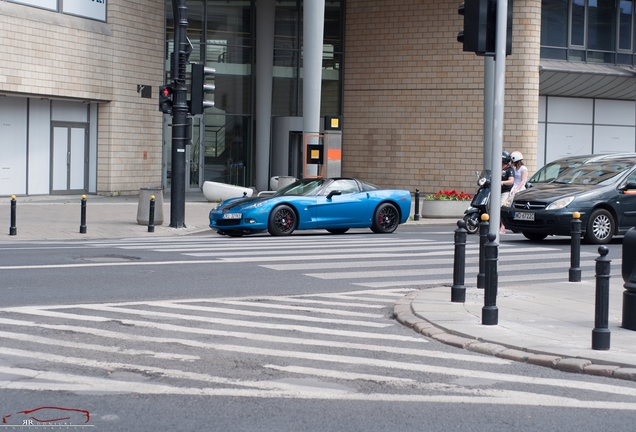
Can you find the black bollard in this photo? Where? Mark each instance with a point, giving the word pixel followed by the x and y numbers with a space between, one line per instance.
pixel 601 333
pixel 490 313
pixel 12 228
pixel 151 215
pixel 484 226
pixel 416 216
pixel 83 216
pixel 628 271
pixel 458 290
pixel 575 249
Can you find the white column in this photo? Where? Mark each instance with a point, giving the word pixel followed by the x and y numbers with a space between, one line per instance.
pixel 314 23
pixel 265 18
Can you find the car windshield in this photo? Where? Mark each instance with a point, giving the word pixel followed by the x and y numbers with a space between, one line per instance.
pixel 302 188
pixel 594 172
pixel 552 170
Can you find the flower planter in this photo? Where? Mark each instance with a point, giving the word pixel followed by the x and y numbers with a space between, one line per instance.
pixel 444 209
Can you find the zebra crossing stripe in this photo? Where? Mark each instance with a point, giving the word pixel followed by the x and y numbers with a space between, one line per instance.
pixel 229 322
pixel 92 347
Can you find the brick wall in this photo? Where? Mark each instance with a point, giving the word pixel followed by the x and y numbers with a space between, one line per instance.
pixel 49 54
pixel 413 100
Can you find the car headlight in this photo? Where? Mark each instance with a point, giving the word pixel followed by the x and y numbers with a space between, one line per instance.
pixel 254 205
pixel 560 203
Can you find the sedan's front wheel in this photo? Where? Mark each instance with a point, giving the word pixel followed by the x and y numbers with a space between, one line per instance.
pixel 282 221
pixel 386 219
pixel 600 227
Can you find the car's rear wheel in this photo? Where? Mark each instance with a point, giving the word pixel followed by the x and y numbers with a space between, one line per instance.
pixel 386 219
pixel 282 221
pixel 600 227
pixel 472 222
pixel 534 236
pixel 338 230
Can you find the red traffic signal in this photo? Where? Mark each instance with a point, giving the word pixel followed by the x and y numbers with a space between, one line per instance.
pixel 165 99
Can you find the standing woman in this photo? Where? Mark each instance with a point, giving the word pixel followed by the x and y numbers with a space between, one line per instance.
pixel 521 172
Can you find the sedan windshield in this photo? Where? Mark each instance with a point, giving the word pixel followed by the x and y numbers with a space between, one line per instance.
pixel 594 172
pixel 301 188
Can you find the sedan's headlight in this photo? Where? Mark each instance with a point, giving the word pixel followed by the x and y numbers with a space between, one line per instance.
pixel 560 203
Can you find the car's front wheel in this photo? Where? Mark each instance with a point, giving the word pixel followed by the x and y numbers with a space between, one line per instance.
pixel 534 236
pixel 600 227
pixel 386 219
pixel 282 221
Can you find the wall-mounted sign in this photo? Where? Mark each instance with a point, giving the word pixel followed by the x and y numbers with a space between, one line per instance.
pixel 44 4
pixel 94 9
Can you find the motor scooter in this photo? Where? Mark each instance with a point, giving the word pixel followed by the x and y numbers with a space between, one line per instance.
pixel 480 203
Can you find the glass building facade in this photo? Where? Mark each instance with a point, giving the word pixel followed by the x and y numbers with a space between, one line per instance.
pixel 592 31
pixel 222 35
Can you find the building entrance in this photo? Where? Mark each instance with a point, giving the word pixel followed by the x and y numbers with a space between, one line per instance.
pixel 69 161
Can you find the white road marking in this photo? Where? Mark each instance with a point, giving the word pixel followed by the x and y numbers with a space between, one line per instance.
pixel 260 314
pixel 508 397
pixel 92 347
pixel 237 323
pixel 411 262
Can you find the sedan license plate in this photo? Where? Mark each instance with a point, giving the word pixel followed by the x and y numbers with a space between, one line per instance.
pixel 232 216
pixel 523 216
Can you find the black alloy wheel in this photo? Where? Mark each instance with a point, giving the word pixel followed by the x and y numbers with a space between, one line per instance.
pixel 282 221
pixel 385 219
pixel 600 227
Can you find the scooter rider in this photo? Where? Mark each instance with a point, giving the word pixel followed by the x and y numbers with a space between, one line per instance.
pixel 507 180
pixel 507 176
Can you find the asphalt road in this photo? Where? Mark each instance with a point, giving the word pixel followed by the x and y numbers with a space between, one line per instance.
pixel 261 333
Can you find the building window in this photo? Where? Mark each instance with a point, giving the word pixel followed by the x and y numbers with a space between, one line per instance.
pixel 592 31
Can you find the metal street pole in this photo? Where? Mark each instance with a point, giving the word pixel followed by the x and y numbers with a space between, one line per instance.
pixel 179 114
pixel 498 115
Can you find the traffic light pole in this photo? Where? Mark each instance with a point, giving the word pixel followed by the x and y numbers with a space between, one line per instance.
pixel 179 114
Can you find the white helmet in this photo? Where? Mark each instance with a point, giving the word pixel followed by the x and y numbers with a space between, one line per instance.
pixel 516 156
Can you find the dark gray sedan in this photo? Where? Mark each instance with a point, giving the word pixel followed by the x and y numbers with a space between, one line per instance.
pixel 603 192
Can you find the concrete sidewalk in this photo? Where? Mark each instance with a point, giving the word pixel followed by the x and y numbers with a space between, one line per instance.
pixel 58 217
pixel 548 324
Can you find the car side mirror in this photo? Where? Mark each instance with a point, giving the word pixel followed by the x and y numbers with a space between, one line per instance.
pixel 334 192
pixel 630 185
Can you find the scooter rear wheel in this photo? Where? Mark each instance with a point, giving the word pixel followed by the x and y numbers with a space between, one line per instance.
pixel 472 222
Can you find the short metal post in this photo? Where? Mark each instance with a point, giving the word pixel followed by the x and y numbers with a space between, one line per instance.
pixel 416 216
pixel 458 290
pixel 151 215
pixel 484 226
pixel 12 228
pixel 628 271
pixel 490 313
pixel 601 333
pixel 83 216
pixel 575 249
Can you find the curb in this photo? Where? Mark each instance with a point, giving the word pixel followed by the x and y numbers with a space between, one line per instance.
pixel 404 314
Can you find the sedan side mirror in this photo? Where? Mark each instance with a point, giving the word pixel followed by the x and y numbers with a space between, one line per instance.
pixel 334 192
pixel 630 185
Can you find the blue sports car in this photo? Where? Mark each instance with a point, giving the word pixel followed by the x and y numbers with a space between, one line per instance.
pixel 334 204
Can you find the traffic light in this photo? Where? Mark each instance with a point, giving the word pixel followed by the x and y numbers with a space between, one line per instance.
pixel 198 102
pixel 479 34
pixel 165 99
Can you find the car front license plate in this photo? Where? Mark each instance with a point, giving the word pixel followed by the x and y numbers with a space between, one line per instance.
pixel 523 216
pixel 232 216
